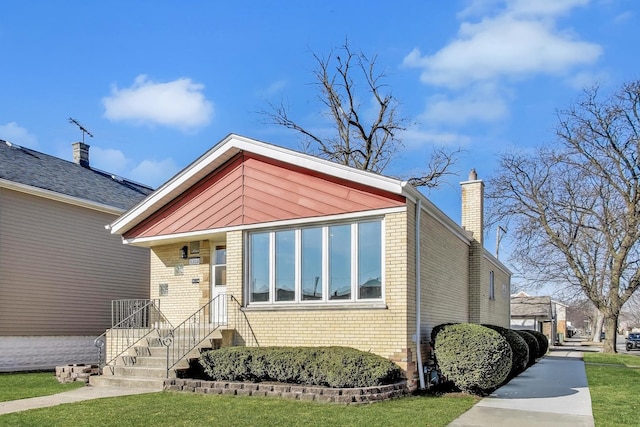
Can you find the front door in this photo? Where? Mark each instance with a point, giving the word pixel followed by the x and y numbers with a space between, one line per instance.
pixel 219 285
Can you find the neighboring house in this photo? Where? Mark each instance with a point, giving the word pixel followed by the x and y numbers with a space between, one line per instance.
pixel 562 327
pixel 541 314
pixel 59 267
pixel 316 253
pixel 535 312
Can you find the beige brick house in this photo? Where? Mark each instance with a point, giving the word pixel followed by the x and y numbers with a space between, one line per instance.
pixel 315 253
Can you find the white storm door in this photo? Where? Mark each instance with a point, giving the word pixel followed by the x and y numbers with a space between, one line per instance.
pixel 219 285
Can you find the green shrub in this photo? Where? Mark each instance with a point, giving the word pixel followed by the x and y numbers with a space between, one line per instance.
pixel 532 342
pixel 519 348
pixel 325 366
pixel 476 359
pixel 543 342
pixel 436 329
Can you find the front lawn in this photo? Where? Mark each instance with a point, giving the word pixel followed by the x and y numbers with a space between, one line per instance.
pixel 614 384
pixel 14 386
pixel 188 409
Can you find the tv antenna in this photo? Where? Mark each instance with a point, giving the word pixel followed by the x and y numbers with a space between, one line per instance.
pixel 82 128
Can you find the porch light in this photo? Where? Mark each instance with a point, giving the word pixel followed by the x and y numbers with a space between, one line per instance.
pixel 184 252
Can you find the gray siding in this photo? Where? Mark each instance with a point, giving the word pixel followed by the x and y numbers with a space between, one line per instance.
pixel 60 268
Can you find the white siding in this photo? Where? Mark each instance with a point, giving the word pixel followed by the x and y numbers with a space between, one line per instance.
pixel 60 268
pixel 35 353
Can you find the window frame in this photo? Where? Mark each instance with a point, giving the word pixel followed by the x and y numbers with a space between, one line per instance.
pixel 298 300
pixel 492 288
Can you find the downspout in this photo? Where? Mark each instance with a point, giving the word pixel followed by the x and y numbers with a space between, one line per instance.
pixel 418 333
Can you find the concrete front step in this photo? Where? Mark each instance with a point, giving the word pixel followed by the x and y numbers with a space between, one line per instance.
pixel 162 351
pixel 137 383
pixel 138 372
pixel 143 361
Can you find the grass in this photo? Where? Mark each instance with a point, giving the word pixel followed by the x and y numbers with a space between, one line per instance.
pixel 614 384
pixel 14 386
pixel 187 409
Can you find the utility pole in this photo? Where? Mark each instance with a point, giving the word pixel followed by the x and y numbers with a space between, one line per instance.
pixel 500 231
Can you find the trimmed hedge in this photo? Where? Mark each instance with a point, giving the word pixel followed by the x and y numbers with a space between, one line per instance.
pixel 436 329
pixel 476 359
pixel 532 342
pixel 543 342
pixel 519 348
pixel 324 366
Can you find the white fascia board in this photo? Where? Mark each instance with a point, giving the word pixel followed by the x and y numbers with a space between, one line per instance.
pixel 192 235
pixel 495 261
pixel 413 194
pixel 59 197
pixel 327 167
pixel 225 150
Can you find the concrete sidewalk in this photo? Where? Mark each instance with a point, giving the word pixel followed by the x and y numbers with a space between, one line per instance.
pixel 553 392
pixel 77 395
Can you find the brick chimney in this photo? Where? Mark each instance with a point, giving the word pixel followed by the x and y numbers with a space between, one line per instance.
pixel 473 206
pixel 81 154
pixel 473 221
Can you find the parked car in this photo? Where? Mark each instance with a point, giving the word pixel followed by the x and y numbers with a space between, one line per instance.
pixel 633 341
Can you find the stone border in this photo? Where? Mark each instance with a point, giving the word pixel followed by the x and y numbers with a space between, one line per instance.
pixel 298 392
pixel 76 372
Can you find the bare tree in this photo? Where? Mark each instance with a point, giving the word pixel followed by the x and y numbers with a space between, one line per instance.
pixel 365 141
pixel 575 208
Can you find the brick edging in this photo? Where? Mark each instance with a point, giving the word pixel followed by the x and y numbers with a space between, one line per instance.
pixel 298 392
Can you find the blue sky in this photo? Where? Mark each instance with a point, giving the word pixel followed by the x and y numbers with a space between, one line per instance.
pixel 159 82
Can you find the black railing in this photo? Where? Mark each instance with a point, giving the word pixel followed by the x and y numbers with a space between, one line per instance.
pixel 123 308
pixel 188 335
pixel 243 335
pixel 146 320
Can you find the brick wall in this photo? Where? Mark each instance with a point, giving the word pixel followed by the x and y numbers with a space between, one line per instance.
pixel 384 331
pixel 494 311
pixel 444 274
pixel 187 286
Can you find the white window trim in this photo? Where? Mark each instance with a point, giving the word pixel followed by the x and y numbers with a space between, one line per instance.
pixel 326 302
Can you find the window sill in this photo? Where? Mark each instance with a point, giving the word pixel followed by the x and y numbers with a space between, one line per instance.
pixel 379 305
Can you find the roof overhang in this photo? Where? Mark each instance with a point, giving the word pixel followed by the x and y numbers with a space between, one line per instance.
pixel 63 198
pixel 230 147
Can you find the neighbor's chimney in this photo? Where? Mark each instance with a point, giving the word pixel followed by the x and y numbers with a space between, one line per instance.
pixel 81 154
pixel 473 205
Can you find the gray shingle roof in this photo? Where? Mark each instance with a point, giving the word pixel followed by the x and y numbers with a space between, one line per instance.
pixel 29 167
pixel 531 307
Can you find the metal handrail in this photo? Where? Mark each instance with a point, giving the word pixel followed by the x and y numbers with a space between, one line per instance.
pixel 242 325
pixel 123 308
pixel 128 332
pixel 188 335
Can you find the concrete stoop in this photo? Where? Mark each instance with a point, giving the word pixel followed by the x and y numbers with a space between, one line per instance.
pixel 131 382
pixel 144 367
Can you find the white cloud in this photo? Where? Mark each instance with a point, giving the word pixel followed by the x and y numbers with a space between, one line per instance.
pixel 15 134
pixel 624 17
pixel 586 79
pixel 481 103
pixel 416 137
pixel 109 160
pixel 274 88
pixel 154 172
pixel 519 41
pixel 179 103
pixel 150 172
